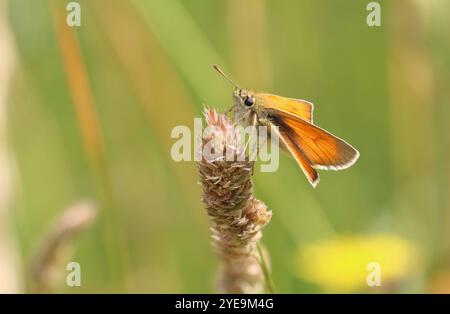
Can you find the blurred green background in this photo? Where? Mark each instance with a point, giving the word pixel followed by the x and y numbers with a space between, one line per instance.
pixel 88 114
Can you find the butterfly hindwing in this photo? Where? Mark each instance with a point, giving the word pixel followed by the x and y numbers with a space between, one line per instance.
pixel 322 149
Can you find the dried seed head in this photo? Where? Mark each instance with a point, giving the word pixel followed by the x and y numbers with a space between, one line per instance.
pixel 237 217
pixel 57 246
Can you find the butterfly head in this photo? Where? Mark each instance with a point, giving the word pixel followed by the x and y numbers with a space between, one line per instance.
pixel 244 98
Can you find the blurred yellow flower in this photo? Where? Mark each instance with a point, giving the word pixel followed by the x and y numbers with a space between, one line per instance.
pixel 344 263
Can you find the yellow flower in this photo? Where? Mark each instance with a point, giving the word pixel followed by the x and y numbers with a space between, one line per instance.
pixel 344 263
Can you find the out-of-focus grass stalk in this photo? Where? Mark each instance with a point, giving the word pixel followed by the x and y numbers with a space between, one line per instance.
pixel 237 217
pixel 9 270
pixel 80 90
pixel 83 102
pixel 265 267
pixel 434 15
pixel 152 79
pixel 48 265
pixel 248 42
pixel 185 43
pixel 412 94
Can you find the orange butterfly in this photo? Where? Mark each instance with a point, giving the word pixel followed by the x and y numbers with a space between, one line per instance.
pixel 312 147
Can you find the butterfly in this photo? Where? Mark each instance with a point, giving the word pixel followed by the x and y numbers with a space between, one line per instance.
pixel 311 146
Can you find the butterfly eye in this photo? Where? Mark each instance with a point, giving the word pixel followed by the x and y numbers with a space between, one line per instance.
pixel 249 101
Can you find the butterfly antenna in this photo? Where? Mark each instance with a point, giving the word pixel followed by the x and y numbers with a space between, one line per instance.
pixel 225 76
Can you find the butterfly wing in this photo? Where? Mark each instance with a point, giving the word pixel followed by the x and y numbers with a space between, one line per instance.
pixel 298 107
pixel 322 149
pixel 296 152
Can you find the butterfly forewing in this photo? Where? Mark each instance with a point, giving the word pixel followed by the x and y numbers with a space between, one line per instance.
pixel 299 107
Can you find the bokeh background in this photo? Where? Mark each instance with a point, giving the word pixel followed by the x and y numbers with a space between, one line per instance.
pixel 87 113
